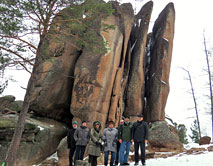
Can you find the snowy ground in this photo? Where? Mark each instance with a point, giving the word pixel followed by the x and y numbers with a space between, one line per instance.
pixel 205 159
pixel 186 160
pixel 181 159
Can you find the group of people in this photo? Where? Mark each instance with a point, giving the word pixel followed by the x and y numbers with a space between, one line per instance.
pixel 113 141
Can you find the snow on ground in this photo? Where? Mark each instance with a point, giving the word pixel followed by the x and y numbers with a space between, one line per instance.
pixel 186 160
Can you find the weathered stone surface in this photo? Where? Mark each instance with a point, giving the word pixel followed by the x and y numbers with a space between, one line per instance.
pixel 210 148
pixel 63 153
pixel 195 151
pixel 40 139
pixel 117 104
pixel 161 138
pixel 160 53
pixel 16 106
pixel 82 163
pixel 54 70
pixel 5 101
pixel 205 140
pixel 95 75
pixel 49 162
pixel 135 91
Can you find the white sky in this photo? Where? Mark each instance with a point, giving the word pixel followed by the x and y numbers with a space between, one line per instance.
pixel 192 17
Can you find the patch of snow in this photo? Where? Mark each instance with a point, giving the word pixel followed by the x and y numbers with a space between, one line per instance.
pixel 53 156
pixel 139 21
pixel 84 16
pixel 41 128
pixel 163 82
pixel 133 45
pixel 51 125
pixel 166 39
pixel 195 145
pixel 79 2
pixel 153 74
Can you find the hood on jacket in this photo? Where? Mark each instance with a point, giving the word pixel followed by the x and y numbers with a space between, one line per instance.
pixel 97 122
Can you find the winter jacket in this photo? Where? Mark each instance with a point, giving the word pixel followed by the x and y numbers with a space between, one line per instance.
pixel 124 132
pixel 139 131
pixel 95 141
pixel 70 139
pixel 82 136
pixel 110 138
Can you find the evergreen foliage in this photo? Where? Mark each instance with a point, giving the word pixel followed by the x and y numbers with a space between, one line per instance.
pixel 195 133
pixel 182 133
pixel 24 23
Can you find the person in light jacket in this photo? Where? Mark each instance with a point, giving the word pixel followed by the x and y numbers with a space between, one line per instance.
pixel 81 136
pixel 110 138
pixel 94 149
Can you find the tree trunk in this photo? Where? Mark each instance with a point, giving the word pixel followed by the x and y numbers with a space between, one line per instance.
pixel 194 99
pixel 210 81
pixel 13 148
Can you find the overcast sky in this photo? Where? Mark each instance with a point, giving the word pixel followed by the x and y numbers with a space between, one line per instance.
pixel 192 18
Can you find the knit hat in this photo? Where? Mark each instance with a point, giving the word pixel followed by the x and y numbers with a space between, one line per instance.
pixel 140 115
pixel 75 122
pixel 83 121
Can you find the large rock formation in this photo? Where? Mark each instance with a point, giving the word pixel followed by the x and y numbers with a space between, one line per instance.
pixel 131 78
pixel 39 140
pixel 163 137
pixel 96 74
pixel 159 54
pixel 135 90
pixel 54 70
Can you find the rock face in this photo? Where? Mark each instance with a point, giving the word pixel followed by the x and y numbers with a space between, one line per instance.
pixel 40 139
pixel 136 89
pixel 160 55
pixel 205 140
pixel 54 70
pixel 63 153
pixel 130 78
pixel 162 138
pixel 95 74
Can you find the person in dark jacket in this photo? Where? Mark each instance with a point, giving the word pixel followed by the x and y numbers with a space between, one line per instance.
pixel 124 136
pixel 94 149
pixel 71 142
pixel 110 138
pixel 118 144
pixel 139 135
pixel 81 136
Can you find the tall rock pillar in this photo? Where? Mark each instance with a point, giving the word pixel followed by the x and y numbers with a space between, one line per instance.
pixel 157 80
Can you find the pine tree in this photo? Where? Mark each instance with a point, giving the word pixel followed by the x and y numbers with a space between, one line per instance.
pixel 182 133
pixel 195 133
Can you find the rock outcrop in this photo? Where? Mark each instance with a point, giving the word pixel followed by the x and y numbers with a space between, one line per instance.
pixel 63 153
pixel 205 140
pixel 39 140
pixel 136 89
pixel 160 55
pixel 54 70
pixel 96 74
pixel 163 138
pixel 131 77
